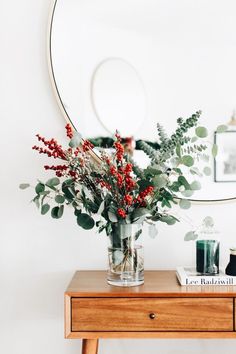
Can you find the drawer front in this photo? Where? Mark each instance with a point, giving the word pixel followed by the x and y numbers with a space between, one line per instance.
pixel 152 314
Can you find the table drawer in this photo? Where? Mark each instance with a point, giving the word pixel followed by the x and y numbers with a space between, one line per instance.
pixel 151 314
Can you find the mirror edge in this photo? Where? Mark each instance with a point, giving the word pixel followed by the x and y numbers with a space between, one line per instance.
pixel 66 116
pixel 52 75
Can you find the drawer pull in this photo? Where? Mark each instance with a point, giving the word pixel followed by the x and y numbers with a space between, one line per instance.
pixel 152 316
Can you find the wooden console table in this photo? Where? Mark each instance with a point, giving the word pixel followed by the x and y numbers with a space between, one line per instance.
pixel 160 308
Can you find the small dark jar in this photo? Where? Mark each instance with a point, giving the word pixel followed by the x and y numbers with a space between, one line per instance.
pixel 231 267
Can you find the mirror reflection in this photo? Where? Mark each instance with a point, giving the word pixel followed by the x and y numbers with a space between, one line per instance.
pixel 180 58
pixel 117 94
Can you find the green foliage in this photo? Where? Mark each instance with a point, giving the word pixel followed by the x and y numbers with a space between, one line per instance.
pixel 122 193
pixel 52 182
pixel 24 185
pixel 57 212
pixel 201 132
pixel 76 140
pixel 214 150
pixel 139 213
pixel 184 203
pixel 112 216
pixel 149 151
pixel 195 185
pixel 143 184
pixel 59 199
pixel 40 187
pixel 221 128
pixel 187 160
pixel 207 171
pixel 160 181
pixel 168 219
pixel 45 208
pixel 85 221
pixel 187 193
pixel 162 134
pixel 190 236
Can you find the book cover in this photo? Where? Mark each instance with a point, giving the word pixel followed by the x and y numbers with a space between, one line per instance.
pixel 189 276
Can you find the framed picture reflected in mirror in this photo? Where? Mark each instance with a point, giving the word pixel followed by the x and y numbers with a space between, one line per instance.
pixel 225 161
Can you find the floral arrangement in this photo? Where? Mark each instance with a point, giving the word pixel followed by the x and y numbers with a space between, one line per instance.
pixel 116 189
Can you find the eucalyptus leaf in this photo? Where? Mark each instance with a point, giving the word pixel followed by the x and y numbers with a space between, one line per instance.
pixel 112 216
pixel 187 193
pixel 182 180
pixel 178 150
pixel 181 189
pixel 24 185
pixel 36 201
pixel 40 187
pixel 207 171
pixel 85 221
pixel 208 221
pixel 187 160
pixel 178 170
pixel 77 212
pixel 76 140
pixel 101 208
pixel 190 236
pixel 184 204
pixel 59 199
pixel 61 211
pixel 52 182
pixel 221 128
pixel 45 208
pixel 195 171
pixel 195 185
pixel 160 181
pixel 214 150
pixel 57 212
pixel 151 171
pixel 201 132
pixel 194 139
pixel 139 220
pixel 137 213
pixel 168 219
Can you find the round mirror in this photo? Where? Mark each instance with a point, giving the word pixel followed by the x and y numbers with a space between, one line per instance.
pixel 109 58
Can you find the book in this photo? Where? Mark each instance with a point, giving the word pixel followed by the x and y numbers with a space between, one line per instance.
pixel 189 276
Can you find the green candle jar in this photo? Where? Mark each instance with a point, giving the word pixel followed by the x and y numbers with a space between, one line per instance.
pixel 207 257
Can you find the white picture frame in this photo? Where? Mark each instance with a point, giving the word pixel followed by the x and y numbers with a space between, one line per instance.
pixel 225 161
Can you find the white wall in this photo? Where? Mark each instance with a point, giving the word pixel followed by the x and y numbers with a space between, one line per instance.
pixel 38 256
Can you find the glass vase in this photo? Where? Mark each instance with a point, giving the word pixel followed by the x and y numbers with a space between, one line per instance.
pixel 125 255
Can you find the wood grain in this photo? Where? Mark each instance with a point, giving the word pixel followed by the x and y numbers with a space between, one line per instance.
pixel 94 309
pixel 129 314
pixel 67 315
pixel 90 346
pixel 235 315
pixel 156 283
pixel 153 335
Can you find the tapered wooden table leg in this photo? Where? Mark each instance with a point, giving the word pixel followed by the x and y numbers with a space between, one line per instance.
pixel 90 346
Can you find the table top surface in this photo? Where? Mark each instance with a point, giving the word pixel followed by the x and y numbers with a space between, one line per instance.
pixel 161 283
